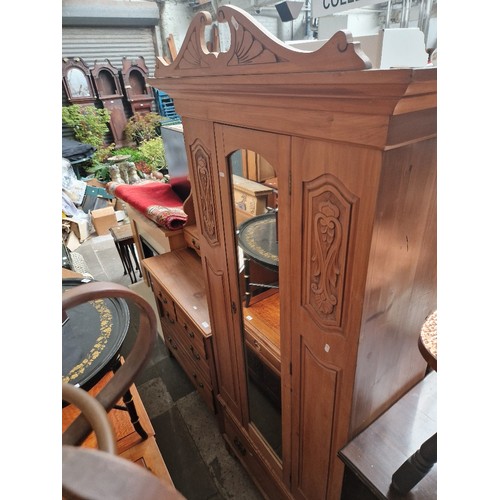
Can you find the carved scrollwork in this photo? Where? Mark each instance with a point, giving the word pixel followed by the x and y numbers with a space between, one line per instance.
pixel 253 48
pixel 328 212
pixel 194 49
pixel 328 235
pixel 205 193
pixel 246 47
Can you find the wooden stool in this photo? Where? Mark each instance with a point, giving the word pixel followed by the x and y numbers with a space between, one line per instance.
pixel 124 242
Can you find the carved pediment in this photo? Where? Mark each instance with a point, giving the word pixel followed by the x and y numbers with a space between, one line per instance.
pixel 253 50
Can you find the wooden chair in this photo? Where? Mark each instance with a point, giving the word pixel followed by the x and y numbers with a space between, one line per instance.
pixel 98 473
pixel 90 473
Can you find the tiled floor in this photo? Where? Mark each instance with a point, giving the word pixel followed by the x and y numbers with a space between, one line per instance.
pixel 186 431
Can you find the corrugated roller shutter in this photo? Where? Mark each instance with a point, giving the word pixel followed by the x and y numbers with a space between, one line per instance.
pixel 111 43
pixel 95 44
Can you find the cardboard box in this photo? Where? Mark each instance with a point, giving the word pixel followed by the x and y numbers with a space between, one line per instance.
pixel 103 219
pixel 80 227
pixel 72 242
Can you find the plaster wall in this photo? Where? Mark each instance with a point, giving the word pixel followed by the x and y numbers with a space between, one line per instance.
pixel 175 18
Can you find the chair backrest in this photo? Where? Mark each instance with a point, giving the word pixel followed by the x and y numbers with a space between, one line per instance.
pixel 95 413
pixel 89 473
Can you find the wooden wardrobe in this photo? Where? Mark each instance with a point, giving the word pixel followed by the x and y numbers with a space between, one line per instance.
pixel 329 341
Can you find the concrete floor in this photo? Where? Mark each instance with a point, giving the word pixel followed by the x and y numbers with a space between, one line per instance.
pixel 186 431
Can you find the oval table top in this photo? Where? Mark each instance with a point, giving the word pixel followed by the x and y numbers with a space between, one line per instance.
pixel 258 239
pixel 92 336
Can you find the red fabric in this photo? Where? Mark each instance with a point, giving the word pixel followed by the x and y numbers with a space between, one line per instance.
pixel 156 200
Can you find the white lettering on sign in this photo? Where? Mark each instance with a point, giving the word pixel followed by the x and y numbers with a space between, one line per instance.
pixel 321 8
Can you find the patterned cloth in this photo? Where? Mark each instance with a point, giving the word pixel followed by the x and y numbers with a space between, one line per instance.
pixel 155 200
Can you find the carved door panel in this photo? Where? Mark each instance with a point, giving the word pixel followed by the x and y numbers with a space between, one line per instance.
pixel 204 177
pixel 333 193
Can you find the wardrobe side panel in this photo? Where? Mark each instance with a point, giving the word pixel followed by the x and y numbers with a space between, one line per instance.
pixel 401 282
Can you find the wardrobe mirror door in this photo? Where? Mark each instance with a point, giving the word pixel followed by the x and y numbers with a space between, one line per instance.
pixel 255 217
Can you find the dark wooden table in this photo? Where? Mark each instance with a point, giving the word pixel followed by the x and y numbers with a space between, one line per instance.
pixel 124 242
pixel 420 463
pixel 258 239
pixel 395 456
pixel 380 449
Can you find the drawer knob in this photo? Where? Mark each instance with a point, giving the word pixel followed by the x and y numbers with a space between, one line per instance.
pixel 172 343
pixel 195 354
pixel 200 384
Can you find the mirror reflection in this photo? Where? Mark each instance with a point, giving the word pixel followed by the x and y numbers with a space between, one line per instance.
pixel 78 83
pixel 255 207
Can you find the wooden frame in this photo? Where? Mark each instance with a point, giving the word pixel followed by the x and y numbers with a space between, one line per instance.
pixel 107 82
pixel 356 166
pixel 137 90
pixel 77 81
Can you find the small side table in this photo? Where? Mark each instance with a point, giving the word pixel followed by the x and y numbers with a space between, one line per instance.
pixel 258 239
pixel 124 242
pixel 421 462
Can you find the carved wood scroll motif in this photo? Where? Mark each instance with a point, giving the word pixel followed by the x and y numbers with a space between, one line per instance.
pixel 201 162
pixel 328 219
pixel 253 48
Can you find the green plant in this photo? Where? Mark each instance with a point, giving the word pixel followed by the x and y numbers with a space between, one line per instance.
pixel 89 124
pixel 142 127
pixel 153 153
pixel 134 153
pixel 100 171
